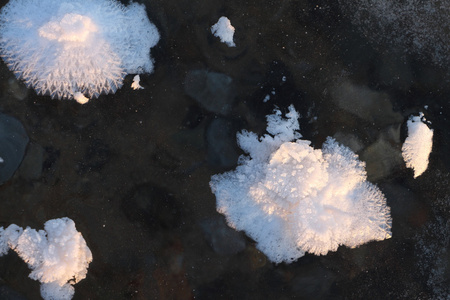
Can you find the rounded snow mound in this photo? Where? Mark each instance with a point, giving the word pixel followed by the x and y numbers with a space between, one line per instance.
pixel 58 255
pixel 61 48
pixel 291 198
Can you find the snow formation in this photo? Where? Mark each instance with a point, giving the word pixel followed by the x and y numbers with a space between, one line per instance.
pixel 418 145
pixel 135 85
pixel 291 198
pixel 223 30
pixel 60 48
pixel 58 255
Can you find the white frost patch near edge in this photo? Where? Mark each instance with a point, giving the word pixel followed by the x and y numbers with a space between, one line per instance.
pixel 418 145
pixel 80 98
pixel 58 255
pixel 135 85
pixel 291 198
pixel 223 30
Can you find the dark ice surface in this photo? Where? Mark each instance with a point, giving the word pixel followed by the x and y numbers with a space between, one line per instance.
pixel 132 169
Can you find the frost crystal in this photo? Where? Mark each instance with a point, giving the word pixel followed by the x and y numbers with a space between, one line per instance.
pixel 60 48
pixel 291 198
pixel 135 85
pixel 223 30
pixel 418 145
pixel 57 256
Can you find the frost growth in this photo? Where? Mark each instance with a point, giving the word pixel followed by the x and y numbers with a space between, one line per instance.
pixel 223 30
pixel 135 85
pixel 58 255
pixel 291 198
pixel 61 48
pixel 418 145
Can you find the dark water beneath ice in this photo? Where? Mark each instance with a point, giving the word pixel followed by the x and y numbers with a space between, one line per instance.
pixel 132 169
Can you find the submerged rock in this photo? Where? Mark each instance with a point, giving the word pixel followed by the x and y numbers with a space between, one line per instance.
pixel 214 91
pixel 372 106
pixel 221 238
pixel 383 156
pixel 221 141
pixel 13 141
pixel 31 167
pixel 349 140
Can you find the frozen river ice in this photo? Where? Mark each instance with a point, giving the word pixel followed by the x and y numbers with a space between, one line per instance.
pixel 132 169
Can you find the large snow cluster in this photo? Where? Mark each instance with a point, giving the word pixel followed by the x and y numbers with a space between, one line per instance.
pixel 58 255
pixel 417 147
pixel 420 27
pixel 291 198
pixel 69 48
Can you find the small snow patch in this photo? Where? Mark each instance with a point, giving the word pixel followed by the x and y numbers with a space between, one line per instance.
pixel 418 145
pixel 135 85
pixel 223 30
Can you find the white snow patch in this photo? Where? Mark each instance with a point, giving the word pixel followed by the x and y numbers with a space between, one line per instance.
pixel 86 46
pixel 58 255
pixel 135 85
pixel 291 198
pixel 418 145
pixel 223 30
pixel 80 98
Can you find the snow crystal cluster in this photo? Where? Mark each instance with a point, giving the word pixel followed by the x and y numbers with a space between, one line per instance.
pixel 420 27
pixel 291 198
pixel 58 255
pixel 223 30
pixel 417 147
pixel 73 49
pixel 135 85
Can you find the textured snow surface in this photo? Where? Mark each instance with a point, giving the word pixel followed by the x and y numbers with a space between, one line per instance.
pixel 291 198
pixel 418 145
pixel 56 255
pixel 63 47
pixel 419 27
pixel 223 30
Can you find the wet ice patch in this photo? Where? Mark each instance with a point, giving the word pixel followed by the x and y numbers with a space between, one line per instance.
pixel 418 145
pixel 58 255
pixel 291 198
pixel 223 30
pixel 433 250
pixel 418 27
pixel 13 143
